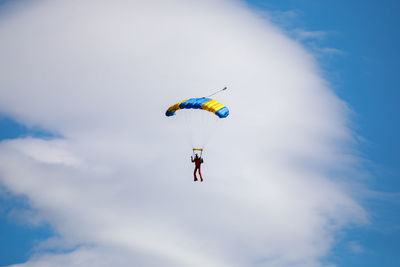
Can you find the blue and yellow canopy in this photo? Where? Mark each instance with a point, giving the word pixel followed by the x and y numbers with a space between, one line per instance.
pixel 200 103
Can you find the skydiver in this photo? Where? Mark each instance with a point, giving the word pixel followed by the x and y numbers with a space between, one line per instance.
pixel 197 162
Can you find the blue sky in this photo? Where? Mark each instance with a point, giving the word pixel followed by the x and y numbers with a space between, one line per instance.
pixel 17 240
pixel 363 40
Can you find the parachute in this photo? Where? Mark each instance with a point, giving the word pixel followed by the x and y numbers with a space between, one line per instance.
pixel 204 103
pixel 199 120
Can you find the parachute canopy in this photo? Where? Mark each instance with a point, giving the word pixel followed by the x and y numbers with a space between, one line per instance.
pixel 204 103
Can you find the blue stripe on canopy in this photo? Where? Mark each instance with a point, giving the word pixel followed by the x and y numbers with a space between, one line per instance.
pixel 195 103
pixel 223 112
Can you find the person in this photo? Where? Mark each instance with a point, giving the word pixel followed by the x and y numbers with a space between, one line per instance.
pixel 197 162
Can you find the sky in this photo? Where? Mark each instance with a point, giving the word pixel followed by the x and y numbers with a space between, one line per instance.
pixel 302 173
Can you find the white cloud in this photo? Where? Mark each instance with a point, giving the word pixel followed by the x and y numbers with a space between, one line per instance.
pixel 118 185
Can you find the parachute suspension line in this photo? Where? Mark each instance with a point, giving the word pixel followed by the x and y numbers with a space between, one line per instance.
pixel 191 126
pixel 223 89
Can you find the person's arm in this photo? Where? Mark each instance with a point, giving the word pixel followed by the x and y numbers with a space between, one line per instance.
pixel 192 158
pixel 201 160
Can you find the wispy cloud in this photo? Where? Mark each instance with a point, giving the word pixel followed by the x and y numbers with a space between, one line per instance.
pixel 292 24
pixel 302 34
pixel 117 188
pixel 355 247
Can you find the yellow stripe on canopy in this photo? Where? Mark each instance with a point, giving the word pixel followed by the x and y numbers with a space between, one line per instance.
pixel 212 106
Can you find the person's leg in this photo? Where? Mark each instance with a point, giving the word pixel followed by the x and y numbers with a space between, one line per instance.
pixel 201 177
pixel 195 177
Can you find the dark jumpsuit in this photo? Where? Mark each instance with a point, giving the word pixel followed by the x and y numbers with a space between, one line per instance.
pixel 197 163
